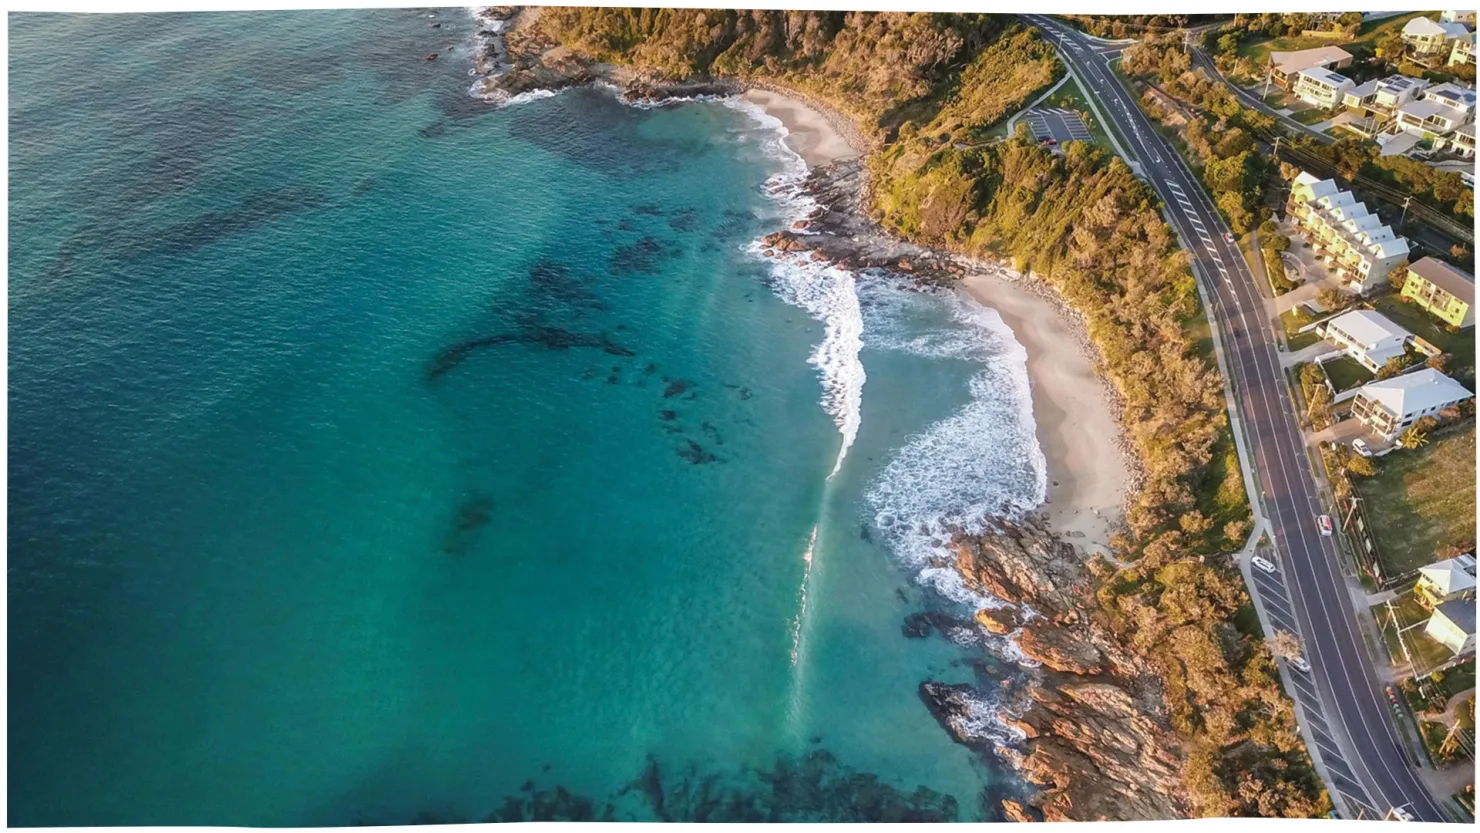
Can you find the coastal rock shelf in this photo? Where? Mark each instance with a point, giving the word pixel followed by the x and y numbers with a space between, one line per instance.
pixel 1097 741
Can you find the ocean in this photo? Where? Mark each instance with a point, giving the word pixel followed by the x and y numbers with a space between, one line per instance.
pixel 381 456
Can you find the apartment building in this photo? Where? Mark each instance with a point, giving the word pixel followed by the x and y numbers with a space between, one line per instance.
pixel 1447 293
pixel 1321 87
pixel 1358 249
pixel 1390 406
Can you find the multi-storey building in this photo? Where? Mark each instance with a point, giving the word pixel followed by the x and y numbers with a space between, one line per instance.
pixel 1321 87
pixel 1384 96
pixel 1285 67
pixel 1390 406
pixel 1446 292
pixel 1353 242
pixel 1440 111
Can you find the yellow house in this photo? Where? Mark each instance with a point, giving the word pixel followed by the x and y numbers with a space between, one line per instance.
pixel 1442 290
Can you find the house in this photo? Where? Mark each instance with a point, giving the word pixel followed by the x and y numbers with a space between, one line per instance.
pixel 1452 579
pixel 1355 245
pixel 1428 40
pixel 1438 112
pixel 1321 86
pixel 1446 292
pixel 1457 17
pixel 1463 51
pixel 1461 143
pixel 1285 66
pixel 1389 406
pixel 1383 97
pixel 1367 336
pixel 1453 626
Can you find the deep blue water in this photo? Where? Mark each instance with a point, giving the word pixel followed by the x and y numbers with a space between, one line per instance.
pixel 376 454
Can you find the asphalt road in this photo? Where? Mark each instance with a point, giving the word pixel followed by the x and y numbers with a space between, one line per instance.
pixel 1322 606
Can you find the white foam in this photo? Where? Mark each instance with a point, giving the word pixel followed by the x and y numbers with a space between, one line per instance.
pixel 982 722
pixel 977 465
pixel 828 294
pixel 796 630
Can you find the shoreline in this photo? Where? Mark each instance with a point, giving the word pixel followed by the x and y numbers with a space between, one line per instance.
pixel 1076 417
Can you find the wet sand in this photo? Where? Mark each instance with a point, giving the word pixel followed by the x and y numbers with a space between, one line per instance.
pixel 811 133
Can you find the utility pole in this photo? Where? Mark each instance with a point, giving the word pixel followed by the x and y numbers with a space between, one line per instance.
pixel 1404 218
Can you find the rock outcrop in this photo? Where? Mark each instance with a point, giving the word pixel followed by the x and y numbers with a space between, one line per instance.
pixel 1097 743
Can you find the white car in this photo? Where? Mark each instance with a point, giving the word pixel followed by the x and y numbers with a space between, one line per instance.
pixel 1299 662
pixel 1323 522
pixel 1262 563
pixel 1360 446
pixel 1401 814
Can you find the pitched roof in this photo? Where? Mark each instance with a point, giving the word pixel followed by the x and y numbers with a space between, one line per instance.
pixel 1452 575
pixel 1325 76
pixel 1460 612
pixel 1367 328
pixel 1287 63
pixel 1414 393
pixel 1446 277
pixel 1420 26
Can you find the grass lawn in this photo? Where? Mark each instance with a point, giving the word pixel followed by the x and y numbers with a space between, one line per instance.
pixel 1345 373
pixel 1421 500
pixel 1297 340
pixel 1310 116
pixel 1460 345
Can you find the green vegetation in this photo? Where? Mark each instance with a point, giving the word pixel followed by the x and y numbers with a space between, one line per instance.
pixel 1432 693
pixel 1354 156
pixel 1255 36
pixel 1422 501
pixel 1346 373
pixel 1309 116
pixel 1135 25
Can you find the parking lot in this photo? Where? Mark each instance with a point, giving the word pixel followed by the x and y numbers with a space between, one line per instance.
pixel 1057 123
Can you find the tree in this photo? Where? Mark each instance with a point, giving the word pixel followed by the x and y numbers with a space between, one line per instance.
pixel 1413 438
pixel 1285 645
pixel 1333 299
pixel 1360 466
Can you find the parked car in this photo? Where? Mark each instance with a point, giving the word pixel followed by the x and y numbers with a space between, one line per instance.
pixel 1299 662
pixel 1228 237
pixel 1401 814
pixel 1360 446
pixel 1262 563
pixel 1323 522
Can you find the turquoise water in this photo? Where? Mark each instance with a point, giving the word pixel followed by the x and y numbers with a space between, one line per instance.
pixel 377 455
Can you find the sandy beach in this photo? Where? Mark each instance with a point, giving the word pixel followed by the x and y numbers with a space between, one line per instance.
pixel 810 132
pixel 1087 472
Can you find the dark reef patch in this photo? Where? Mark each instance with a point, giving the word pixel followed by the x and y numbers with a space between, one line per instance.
pixel 698 454
pixel 813 787
pixel 467 523
pixel 641 257
pixel 256 211
pixel 551 338
pixel 675 387
pixel 685 219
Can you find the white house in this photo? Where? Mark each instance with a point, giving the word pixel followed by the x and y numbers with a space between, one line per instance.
pixel 1438 112
pixel 1463 51
pixel 1457 17
pixel 1321 87
pixel 1389 406
pixel 1428 40
pixel 1446 581
pixel 1453 626
pixel 1367 336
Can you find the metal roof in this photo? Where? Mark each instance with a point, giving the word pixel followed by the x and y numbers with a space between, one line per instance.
pixel 1446 277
